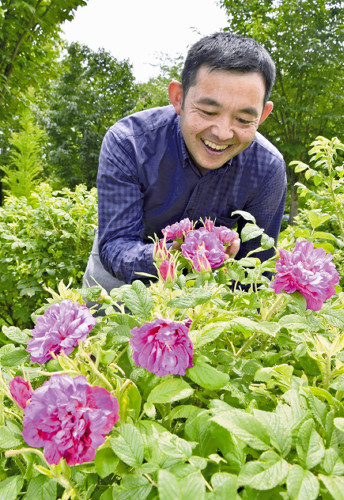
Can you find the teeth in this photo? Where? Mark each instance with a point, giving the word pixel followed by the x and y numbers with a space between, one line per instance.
pixel 215 146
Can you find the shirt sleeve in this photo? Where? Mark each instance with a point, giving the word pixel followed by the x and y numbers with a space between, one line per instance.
pixel 267 204
pixel 120 211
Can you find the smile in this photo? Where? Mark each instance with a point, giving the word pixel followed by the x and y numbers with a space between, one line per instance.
pixel 215 147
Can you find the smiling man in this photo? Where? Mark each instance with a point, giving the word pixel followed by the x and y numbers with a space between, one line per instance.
pixel 199 157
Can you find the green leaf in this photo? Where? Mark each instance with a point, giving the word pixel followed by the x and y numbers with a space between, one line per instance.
pixel 316 219
pixel 168 486
pixel 129 445
pixel 105 462
pixel 208 333
pixel 133 487
pixel 335 485
pixel 192 299
pixel 245 427
pixel 324 236
pixel 302 484
pixel 294 322
pixel 174 446
pixel 309 445
pixel 10 487
pixel 169 390
pixel 280 434
pixel 14 358
pixel 264 474
pixel 332 464
pixel 334 317
pixel 207 376
pixel 224 485
pixel 250 231
pixel 8 440
pixel 245 215
pixel 139 299
pixel 16 335
pixel 192 487
pixel 129 402
pixel 41 488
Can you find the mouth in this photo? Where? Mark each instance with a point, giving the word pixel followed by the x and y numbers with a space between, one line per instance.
pixel 215 148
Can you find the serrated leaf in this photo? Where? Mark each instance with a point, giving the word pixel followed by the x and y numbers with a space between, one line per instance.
pixel 14 358
pixel 8 440
pixel 335 485
pixel 245 427
pixel 133 487
pixel 168 486
pixel 16 335
pixel 280 434
pixel 174 446
pixel 191 299
pixel 41 488
pixel 334 317
pixel 250 231
pixel 169 390
pixel 264 474
pixel 105 462
pixel 316 219
pixel 129 445
pixel 224 485
pixel 309 445
pixel 139 299
pixel 206 376
pixel 245 215
pixel 302 484
pixel 192 487
pixel 10 487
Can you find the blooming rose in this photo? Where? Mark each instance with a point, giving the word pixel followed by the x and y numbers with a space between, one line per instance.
pixel 20 391
pixel 308 270
pixel 206 243
pixel 177 230
pixel 69 418
pixel 162 346
pixel 222 232
pixel 61 327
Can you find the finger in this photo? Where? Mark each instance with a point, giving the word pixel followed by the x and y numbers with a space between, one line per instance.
pixel 233 249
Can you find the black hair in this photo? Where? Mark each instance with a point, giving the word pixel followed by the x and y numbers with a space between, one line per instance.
pixel 230 52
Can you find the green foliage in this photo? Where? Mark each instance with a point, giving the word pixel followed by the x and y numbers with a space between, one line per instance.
pixel 155 92
pixel 21 175
pixel 323 199
pixel 304 38
pixel 42 240
pixel 29 47
pixel 93 91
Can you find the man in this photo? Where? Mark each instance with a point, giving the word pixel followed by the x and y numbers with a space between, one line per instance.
pixel 199 157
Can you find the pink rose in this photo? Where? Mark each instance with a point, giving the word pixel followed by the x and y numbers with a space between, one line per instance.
pixel 162 346
pixel 308 270
pixel 20 391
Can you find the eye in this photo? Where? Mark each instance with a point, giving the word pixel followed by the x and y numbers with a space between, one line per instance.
pixel 207 113
pixel 244 122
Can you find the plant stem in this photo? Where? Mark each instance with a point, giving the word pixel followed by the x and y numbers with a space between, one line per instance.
pixel 273 308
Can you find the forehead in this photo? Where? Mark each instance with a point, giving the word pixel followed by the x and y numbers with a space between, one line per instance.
pixel 221 84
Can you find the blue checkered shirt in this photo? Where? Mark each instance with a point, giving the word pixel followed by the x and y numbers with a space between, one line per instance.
pixel 146 180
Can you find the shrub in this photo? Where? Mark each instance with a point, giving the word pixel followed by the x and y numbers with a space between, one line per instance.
pixel 43 241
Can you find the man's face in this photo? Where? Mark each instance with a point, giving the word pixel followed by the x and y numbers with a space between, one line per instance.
pixel 220 114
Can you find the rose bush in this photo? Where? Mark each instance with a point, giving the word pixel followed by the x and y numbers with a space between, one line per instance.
pixel 226 387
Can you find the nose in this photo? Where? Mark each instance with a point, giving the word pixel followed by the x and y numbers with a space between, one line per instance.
pixel 223 129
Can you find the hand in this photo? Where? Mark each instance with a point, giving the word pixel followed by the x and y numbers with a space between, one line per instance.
pixel 233 248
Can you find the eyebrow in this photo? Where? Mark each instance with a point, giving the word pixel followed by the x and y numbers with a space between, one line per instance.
pixel 208 101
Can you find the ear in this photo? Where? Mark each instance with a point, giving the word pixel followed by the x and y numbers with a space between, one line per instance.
pixel 175 93
pixel 266 111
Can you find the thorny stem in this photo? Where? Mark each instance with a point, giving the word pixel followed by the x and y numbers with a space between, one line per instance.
pixel 273 308
pixel 265 317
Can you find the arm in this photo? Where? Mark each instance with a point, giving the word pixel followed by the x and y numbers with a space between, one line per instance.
pixel 120 208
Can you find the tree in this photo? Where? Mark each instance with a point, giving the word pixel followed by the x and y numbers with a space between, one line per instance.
pixel 93 91
pixel 29 46
pixel 155 91
pixel 22 175
pixel 305 38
